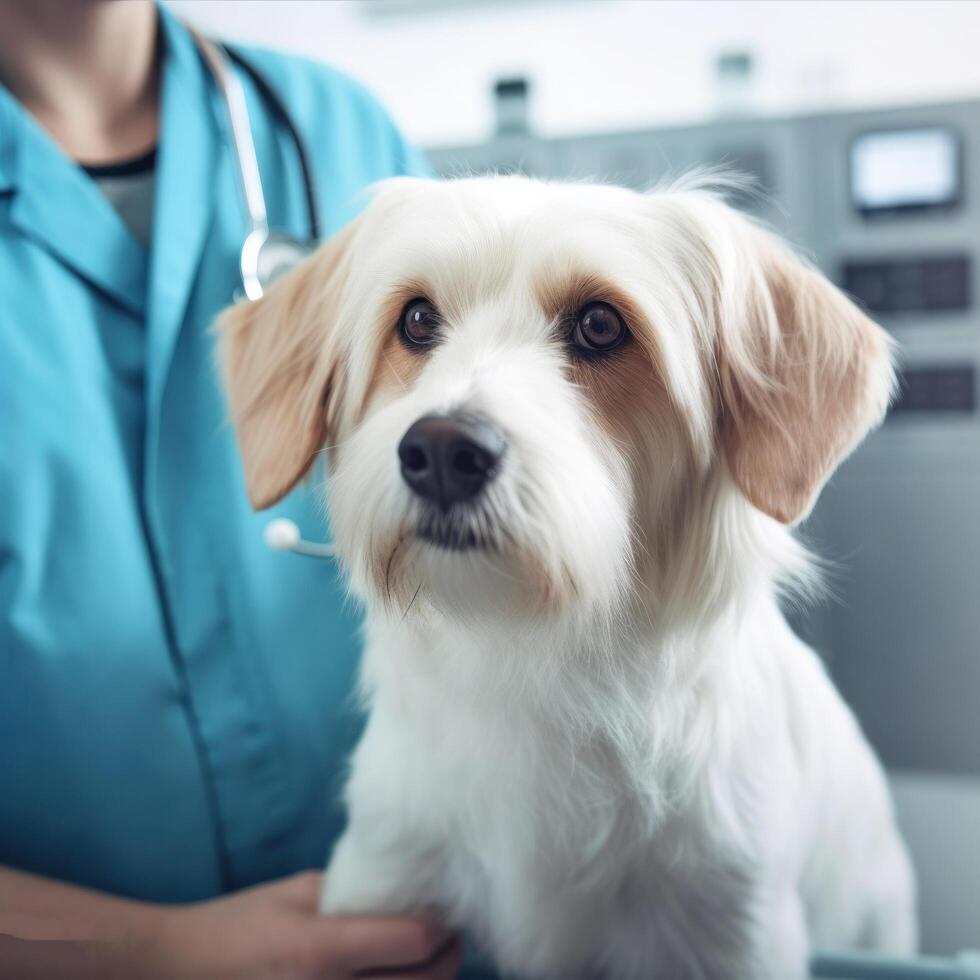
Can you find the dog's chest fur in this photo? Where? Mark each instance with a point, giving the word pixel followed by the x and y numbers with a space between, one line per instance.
pixel 621 905
pixel 566 846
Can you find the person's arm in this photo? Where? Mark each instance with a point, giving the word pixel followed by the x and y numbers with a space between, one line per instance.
pixel 48 929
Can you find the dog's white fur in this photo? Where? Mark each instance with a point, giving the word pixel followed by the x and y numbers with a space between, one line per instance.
pixel 594 744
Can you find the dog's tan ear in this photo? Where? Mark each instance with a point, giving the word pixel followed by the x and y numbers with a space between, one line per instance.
pixel 804 375
pixel 279 357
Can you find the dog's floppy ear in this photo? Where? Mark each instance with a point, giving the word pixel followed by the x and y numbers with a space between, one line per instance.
pixel 279 357
pixel 804 375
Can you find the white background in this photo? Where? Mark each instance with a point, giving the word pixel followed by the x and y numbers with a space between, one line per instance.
pixel 614 64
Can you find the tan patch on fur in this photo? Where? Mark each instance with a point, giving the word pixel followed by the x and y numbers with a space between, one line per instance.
pixel 396 366
pixel 395 369
pixel 279 358
pixel 547 593
pixel 565 295
pixel 388 570
pixel 625 385
pixel 804 377
pixel 627 391
pixel 632 401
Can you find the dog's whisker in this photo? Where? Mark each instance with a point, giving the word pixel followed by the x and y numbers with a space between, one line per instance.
pixel 415 595
pixel 391 558
pixel 394 370
pixel 332 446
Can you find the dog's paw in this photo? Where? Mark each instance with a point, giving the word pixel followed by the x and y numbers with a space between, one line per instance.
pixel 349 886
pixel 360 882
pixel 331 898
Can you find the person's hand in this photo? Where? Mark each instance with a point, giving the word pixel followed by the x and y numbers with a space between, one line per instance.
pixel 274 931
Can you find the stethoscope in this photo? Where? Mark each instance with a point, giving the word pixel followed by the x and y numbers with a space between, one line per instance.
pixel 266 254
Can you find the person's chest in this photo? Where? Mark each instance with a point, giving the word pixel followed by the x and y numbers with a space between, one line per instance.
pixel 163 673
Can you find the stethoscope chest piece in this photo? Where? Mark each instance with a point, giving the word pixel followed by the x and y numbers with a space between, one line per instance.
pixel 267 255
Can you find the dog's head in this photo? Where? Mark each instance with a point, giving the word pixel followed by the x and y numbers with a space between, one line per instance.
pixel 536 396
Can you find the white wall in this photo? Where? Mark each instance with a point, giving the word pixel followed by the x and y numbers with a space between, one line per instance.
pixel 613 64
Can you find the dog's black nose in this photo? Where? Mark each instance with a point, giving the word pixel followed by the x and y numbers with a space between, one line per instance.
pixel 450 458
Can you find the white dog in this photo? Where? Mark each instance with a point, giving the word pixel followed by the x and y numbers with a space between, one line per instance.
pixel 569 428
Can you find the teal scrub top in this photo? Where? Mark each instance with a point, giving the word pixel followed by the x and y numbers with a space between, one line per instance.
pixel 174 698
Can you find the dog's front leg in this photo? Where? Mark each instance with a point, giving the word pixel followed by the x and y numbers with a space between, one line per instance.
pixel 386 860
pixel 778 944
pixel 369 874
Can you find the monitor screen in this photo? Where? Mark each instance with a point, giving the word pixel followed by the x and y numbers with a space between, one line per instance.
pixel 901 170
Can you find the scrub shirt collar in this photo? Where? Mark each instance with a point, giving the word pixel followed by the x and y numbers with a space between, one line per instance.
pixel 6 141
pixel 187 159
pixel 59 207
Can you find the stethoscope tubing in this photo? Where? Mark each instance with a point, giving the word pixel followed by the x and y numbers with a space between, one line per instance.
pixel 306 169
pixel 247 164
pixel 259 238
pixel 281 534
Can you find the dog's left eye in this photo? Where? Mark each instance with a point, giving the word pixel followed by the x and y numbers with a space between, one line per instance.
pixel 598 328
pixel 420 323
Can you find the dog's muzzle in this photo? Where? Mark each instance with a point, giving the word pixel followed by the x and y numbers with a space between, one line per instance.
pixel 449 459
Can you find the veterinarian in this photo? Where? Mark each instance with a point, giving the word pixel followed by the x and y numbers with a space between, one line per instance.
pixel 174 698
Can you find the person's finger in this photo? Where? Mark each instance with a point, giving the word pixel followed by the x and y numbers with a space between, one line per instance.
pixel 302 890
pixel 445 966
pixel 449 965
pixel 362 943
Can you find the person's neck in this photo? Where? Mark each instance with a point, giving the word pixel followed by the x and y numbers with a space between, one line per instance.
pixel 87 70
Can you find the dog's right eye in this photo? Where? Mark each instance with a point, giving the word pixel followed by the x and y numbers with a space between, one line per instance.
pixel 420 323
pixel 598 329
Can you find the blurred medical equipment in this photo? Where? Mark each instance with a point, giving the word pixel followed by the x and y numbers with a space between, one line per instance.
pixel 511 104
pixel 867 966
pixel 886 201
pixel 734 79
pixel 266 254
